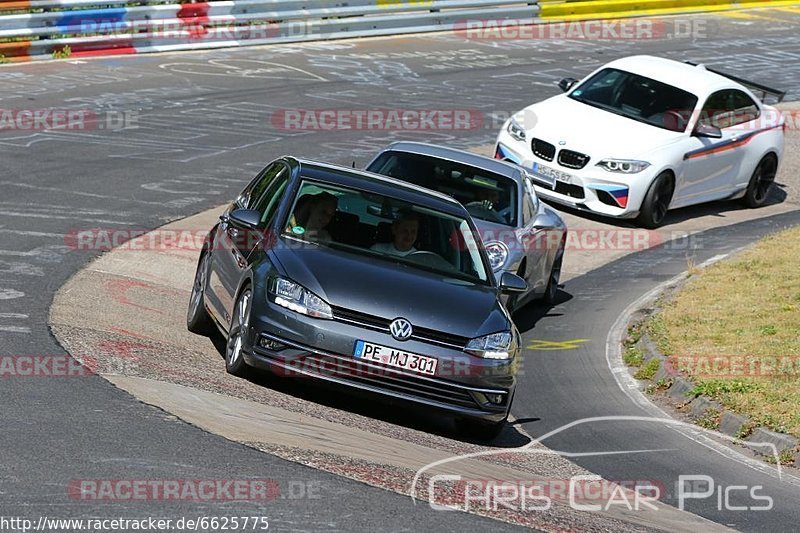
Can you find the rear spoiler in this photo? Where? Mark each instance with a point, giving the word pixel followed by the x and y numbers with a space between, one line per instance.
pixel 753 86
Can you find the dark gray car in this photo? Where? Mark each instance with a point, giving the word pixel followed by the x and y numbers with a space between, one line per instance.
pixel 362 280
pixel 521 234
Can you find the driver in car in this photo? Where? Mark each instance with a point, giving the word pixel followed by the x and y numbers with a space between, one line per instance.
pixel 404 235
pixel 312 216
pixel 489 199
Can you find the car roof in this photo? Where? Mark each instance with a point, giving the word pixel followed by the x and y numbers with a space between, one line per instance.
pixel 459 156
pixel 377 183
pixel 693 78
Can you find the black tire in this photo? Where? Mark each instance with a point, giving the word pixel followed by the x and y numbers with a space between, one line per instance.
pixel 656 202
pixel 761 182
pixel 551 292
pixel 197 318
pixel 234 345
pixel 480 429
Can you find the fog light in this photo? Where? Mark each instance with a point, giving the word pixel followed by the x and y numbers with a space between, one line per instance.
pixel 497 399
pixel 271 344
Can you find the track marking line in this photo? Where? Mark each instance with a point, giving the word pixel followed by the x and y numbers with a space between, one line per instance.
pixel 751 17
pixel 630 386
pixel 546 346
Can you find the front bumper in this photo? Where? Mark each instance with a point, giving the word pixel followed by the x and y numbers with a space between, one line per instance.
pixel 463 385
pixel 590 188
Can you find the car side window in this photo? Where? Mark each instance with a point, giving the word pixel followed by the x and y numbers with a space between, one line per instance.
pixel 529 206
pixel 727 108
pixel 745 109
pixel 269 201
pixel 253 192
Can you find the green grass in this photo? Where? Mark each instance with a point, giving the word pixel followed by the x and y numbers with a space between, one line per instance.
pixel 648 370
pixel 64 53
pixel 633 356
pixel 710 419
pixel 746 307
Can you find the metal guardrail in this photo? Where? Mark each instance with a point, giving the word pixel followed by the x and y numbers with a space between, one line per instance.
pixel 33 29
pixel 95 27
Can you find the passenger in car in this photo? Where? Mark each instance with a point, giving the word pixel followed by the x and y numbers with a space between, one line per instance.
pixel 312 216
pixel 404 234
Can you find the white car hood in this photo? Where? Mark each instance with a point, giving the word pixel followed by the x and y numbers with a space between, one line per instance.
pixel 592 131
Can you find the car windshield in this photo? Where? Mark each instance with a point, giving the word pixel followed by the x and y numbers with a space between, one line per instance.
pixel 638 98
pixel 486 195
pixel 378 226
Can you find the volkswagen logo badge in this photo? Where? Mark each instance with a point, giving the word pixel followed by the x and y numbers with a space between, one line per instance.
pixel 401 329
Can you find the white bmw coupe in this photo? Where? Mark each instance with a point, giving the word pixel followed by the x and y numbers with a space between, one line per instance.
pixel 642 135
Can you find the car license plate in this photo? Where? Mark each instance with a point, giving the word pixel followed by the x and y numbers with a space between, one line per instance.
pixel 394 357
pixel 551 175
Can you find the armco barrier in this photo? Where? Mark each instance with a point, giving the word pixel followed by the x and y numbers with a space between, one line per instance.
pixel 48 26
pixel 35 29
pixel 566 10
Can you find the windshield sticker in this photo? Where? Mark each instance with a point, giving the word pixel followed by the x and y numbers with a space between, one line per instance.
pixel 298 230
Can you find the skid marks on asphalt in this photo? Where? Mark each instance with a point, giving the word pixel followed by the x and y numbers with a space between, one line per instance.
pixel 30 253
pixel 119 289
pixel 5 318
pixel 17 268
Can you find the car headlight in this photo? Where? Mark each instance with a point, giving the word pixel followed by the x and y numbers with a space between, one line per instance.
pixel 498 253
pixel 494 346
pixel 623 166
pixel 516 130
pixel 292 296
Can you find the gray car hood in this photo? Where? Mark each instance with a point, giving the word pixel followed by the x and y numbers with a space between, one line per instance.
pixel 387 289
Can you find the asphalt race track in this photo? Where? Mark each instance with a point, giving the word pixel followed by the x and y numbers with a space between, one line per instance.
pixel 560 386
pixel 198 128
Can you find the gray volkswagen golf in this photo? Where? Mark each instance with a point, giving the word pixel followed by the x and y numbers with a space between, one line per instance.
pixel 365 281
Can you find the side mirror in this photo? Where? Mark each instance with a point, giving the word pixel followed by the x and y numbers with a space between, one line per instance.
pixel 246 218
pixel 512 283
pixel 542 221
pixel 707 130
pixel 567 83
